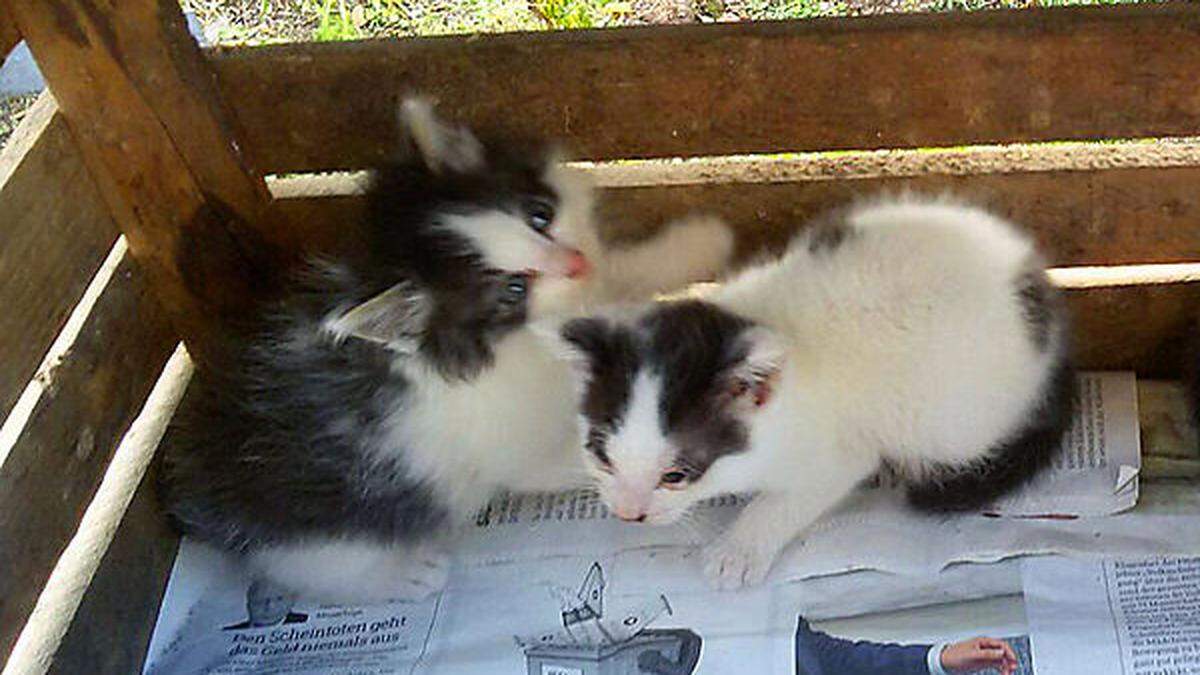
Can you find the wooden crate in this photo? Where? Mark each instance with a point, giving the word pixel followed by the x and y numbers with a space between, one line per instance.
pixel 154 139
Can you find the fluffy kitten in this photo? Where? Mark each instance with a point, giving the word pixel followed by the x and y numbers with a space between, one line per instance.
pixel 917 334
pixel 390 395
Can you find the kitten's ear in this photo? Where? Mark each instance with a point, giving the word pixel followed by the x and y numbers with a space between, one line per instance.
pixel 396 317
pixel 751 382
pixel 443 146
pixel 579 342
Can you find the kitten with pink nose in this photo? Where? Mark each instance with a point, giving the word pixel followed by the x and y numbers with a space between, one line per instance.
pixel 910 333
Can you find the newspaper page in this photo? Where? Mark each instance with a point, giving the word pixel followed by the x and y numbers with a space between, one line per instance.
pixel 215 619
pixel 563 616
pixel 553 585
pixel 1114 617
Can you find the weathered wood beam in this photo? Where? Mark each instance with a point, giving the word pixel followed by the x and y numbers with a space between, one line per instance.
pixel 51 468
pixel 143 108
pixel 55 230
pixel 9 35
pixel 849 83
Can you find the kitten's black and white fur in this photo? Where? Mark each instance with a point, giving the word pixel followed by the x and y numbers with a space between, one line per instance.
pixel 911 333
pixel 389 396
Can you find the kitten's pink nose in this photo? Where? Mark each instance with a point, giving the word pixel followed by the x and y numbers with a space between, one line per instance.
pixel 630 515
pixel 578 265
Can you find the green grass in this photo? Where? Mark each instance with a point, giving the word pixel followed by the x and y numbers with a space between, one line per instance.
pixel 354 19
pixel 337 22
pixel 440 17
pixel 12 111
pixel 582 13
pixel 771 10
pixel 264 21
pixel 976 5
pixel 1067 3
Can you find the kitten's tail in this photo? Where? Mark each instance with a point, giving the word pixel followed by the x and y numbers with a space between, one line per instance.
pixel 1011 464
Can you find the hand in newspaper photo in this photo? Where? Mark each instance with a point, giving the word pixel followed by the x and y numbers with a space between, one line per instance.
pixel 973 655
pixel 818 653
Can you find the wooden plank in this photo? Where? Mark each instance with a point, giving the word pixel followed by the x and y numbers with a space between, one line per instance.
pixel 9 35
pixel 53 468
pixel 138 97
pixel 1140 328
pixel 1102 217
pixel 124 596
pixel 870 82
pixel 1099 217
pixel 54 232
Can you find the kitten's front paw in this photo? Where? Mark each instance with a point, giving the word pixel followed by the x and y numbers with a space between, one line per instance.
pixel 732 564
pixel 419 574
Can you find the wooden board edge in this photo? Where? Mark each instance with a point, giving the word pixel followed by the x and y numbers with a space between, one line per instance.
pixel 58 458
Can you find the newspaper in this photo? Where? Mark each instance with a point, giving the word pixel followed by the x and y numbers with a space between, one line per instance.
pixel 1097 471
pixel 552 585
pixel 541 619
pixel 1114 617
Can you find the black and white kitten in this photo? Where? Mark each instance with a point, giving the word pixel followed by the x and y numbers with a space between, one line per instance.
pixel 911 333
pixel 389 396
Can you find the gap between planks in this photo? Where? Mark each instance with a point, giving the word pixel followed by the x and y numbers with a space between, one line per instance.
pixel 823 166
pixel 43 379
pixel 72 574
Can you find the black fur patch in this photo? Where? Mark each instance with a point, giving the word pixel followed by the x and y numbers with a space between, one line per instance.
pixel 274 445
pixel 614 360
pixel 827 234
pixel 692 346
pixel 1012 463
pixel 471 309
pixel 1040 305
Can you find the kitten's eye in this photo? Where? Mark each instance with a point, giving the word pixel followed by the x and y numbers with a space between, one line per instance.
pixel 515 289
pixel 517 285
pixel 539 215
pixel 739 388
pixel 596 441
pixel 673 479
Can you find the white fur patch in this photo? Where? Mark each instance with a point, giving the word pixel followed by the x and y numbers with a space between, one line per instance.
pixel 353 571
pixel 638 452
pixel 513 427
pixel 395 317
pixel 691 249
pixel 441 145
pixel 508 244
pixel 906 343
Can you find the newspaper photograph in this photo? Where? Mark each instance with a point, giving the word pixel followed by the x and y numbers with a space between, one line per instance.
pixel 217 620
pixel 983 637
pixel 552 584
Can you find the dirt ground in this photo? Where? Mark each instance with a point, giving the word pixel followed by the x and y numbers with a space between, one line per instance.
pixel 251 21
pixel 12 111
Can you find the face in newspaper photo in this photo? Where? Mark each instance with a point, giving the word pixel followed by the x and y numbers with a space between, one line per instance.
pixel 268 604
